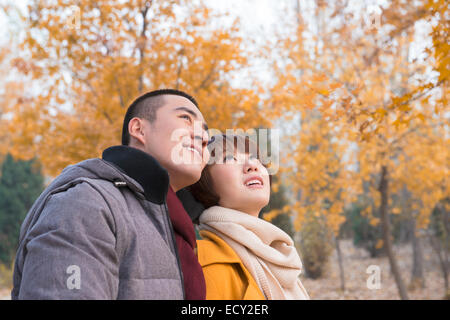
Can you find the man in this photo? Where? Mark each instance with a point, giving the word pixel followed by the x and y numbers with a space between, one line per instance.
pixel 114 228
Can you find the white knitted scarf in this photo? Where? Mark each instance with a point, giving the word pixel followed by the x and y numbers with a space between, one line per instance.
pixel 266 251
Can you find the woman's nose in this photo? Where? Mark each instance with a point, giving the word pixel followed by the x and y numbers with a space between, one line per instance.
pixel 250 166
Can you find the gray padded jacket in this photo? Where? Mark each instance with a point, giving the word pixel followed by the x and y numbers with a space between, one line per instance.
pixel 101 230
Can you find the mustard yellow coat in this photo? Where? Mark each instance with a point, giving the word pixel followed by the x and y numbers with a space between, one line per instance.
pixel 225 275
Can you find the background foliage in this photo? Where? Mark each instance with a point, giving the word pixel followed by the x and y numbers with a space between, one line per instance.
pixel 358 89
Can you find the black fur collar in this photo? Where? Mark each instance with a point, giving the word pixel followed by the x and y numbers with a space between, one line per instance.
pixel 143 168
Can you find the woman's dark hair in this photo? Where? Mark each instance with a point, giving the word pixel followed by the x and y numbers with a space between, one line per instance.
pixel 203 189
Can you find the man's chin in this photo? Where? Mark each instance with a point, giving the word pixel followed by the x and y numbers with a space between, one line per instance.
pixel 188 173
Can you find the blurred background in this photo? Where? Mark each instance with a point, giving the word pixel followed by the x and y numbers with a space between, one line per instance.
pixel 358 90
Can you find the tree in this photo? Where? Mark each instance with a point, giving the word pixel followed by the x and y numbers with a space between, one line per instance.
pixel 91 61
pixel 359 79
pixel 5 95
pixel 21 183
pixel 429 185
pixel 439 236
pixel 315 245
pixel 366 231
pixel 277 202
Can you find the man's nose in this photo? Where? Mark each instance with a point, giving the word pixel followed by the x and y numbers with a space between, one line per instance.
pixel 202 139
pixel 198 133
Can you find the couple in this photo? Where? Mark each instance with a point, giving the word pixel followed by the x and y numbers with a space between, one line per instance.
pixel 121 227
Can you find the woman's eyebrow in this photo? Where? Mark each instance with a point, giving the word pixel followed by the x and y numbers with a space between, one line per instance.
pixel 205 126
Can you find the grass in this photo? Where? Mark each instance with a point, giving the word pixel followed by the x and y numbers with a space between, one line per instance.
pixel 6 276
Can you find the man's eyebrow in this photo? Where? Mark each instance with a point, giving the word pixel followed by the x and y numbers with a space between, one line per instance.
pixel 205 126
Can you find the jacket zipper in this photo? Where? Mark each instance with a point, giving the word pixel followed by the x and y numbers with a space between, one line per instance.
pixel 175 247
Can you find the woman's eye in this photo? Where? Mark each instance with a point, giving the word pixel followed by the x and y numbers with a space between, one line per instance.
pixel 253 157
pixel 228 157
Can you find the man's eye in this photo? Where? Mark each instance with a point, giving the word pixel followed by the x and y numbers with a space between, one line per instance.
pixel 185 116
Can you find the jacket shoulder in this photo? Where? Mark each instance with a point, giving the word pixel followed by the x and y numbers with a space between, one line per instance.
pixel 212 249
pixel 225 275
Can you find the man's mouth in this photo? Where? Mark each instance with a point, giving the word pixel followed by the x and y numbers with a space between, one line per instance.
pixel 193 149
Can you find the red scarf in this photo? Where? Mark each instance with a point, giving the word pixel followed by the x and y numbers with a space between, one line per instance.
pixel 194 281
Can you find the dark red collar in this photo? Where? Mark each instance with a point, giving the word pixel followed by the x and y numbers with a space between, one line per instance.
pixel 181 222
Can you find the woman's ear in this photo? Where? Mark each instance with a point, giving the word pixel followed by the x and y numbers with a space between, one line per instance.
pixel 136 130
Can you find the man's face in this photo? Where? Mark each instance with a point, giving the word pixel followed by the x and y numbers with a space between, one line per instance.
pixel 178 139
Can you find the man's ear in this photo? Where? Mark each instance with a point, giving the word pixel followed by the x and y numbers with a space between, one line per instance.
pixel 136 129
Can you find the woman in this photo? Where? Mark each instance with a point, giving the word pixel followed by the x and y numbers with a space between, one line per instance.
pixel 242 256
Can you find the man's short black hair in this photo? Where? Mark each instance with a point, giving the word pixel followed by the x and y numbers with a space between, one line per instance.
pixel 146 106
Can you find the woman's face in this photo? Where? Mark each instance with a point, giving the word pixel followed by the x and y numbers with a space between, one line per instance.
pixel 241 182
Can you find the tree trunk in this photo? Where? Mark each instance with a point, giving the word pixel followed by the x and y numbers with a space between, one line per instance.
pixel 384 191
pixel 341 265
pixel 443 261
pixel 417 278
pixel 142 45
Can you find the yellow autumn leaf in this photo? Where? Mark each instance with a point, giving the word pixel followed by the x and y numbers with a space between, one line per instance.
pixel 374 221
pixel 379 244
